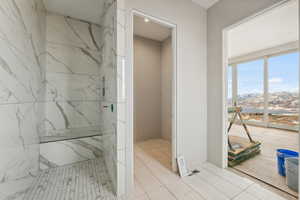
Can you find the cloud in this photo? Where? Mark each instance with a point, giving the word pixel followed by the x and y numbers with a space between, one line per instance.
pixel 275 80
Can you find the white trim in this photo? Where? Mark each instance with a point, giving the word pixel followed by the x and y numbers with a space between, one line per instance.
pixel 224 133
pixel 225 61
pixel 234 83
pixel 135 12
pixel 129 109
pixel 266 91
pixel 174 101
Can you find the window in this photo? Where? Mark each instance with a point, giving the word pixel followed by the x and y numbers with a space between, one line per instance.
pixel 283 89
pixel 251 89
pixel 271 98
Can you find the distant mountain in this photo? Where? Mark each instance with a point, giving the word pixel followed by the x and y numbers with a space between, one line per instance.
pixel 279 103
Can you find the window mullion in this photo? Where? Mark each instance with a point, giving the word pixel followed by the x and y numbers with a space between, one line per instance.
pixel 266 91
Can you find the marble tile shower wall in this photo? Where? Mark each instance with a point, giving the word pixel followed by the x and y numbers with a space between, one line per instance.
pixel 73 75
pixel 109 73
pixel 114 69
pixel 73 97
pixel 22 88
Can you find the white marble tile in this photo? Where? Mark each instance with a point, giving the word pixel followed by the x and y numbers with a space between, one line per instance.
pixel 20 123
pixel 121 181
pixel 109 118
pixel 72 114
pixel 70 87
pixel 121 82
pixel 21 42
pixel 70 59
pixel 13 27
pixel 61 153
pixel 34 19
pixel 121 137
pixel 71 32
pixel 16 189
pixel 71 133
pixel 17 163
pixel 109 73
pixel 20 77
pixel 86 180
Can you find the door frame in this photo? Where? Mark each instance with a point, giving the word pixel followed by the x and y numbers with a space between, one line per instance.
pixel 225 62
pixel 130 75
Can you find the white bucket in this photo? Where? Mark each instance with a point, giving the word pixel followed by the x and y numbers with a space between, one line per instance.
pixel 292 173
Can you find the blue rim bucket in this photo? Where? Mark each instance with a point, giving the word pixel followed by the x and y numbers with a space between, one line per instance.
pixel 282 154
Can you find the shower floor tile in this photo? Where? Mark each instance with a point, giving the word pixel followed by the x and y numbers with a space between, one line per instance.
pixel 86 180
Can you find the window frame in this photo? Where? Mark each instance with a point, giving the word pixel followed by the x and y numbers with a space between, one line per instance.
pixel 234 86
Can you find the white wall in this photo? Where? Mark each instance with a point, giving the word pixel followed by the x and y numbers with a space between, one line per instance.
pixel 221 15
pixel 191 69
pixel 166 88
pixel 152 89
pixel 147 89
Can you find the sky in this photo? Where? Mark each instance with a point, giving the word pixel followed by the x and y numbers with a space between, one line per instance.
pixel 283 75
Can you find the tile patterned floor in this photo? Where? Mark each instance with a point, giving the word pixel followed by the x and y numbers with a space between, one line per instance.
pixel 155 181
pixel 86 180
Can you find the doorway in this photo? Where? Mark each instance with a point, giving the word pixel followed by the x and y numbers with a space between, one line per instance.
pixel 261 79
pixel 154 88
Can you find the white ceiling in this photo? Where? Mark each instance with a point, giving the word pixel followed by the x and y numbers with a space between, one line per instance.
pixel 92 10
pixel 150 30
pixel 205 3
pixel 89 10
pixel 273 28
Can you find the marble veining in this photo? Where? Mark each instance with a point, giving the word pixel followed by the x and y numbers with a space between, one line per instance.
pixel 109 70
pixel 73 81
pixel 22 87
pixel 51 82
pixel 66 152
pixel 71 114
pixel 73 32
pixel 17 189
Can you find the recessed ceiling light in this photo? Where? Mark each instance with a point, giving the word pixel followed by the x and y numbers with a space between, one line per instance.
pixel 146 20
